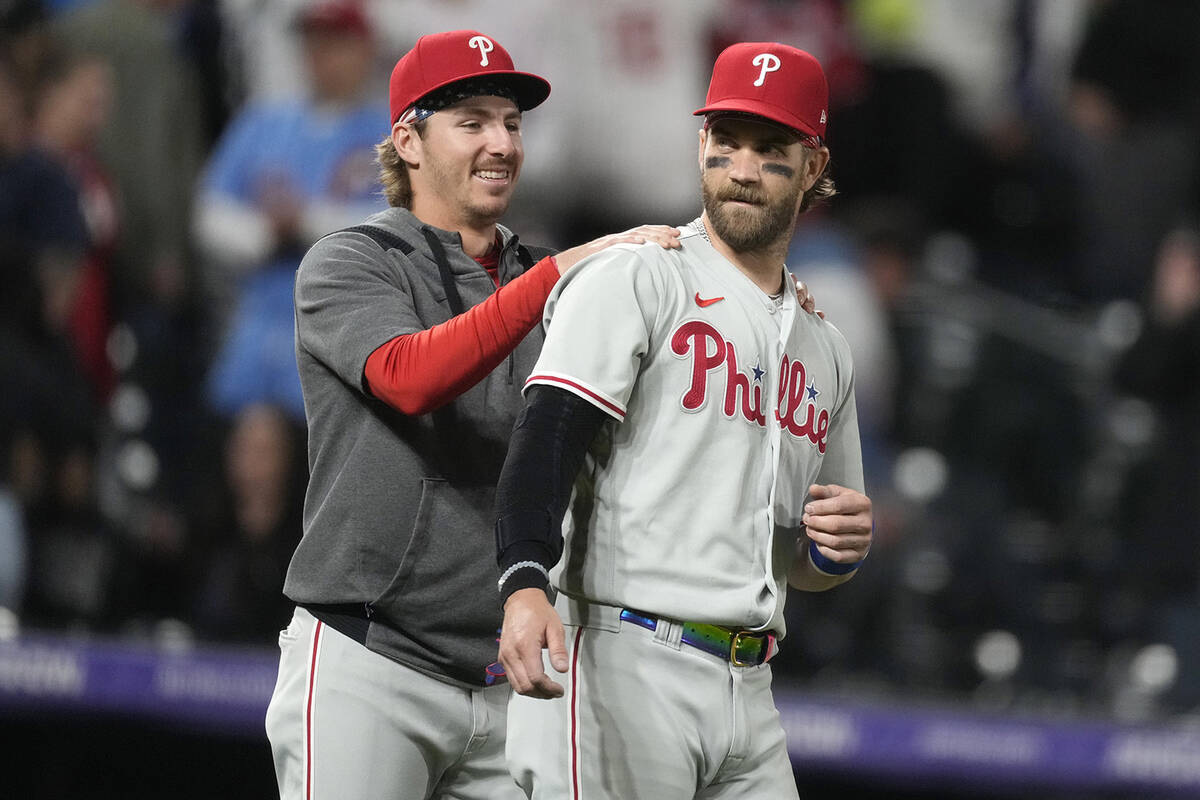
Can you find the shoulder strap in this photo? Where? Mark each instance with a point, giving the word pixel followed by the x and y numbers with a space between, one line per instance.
pixel 439 256
pixel 388 240
pixel 384 239
pixel 528 256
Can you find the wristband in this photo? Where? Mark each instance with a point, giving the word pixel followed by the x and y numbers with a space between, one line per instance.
pixel 521 565
pixel 827 566
pixel 523 575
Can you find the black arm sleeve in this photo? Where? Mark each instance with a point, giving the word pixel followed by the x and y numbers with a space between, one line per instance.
pixel 550 439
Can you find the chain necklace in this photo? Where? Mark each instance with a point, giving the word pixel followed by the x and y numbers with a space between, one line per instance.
pixel 698 225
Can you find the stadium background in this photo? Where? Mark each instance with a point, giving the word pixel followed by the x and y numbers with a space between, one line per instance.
pixel 1014 258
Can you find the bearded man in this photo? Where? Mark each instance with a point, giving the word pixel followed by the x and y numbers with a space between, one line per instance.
pixel 703 432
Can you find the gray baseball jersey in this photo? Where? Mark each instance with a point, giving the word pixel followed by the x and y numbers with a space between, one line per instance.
pixel 726 405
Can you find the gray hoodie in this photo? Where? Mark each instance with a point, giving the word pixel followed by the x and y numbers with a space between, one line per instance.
pixel 399 511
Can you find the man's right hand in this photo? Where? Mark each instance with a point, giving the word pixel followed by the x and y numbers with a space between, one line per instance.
pixel 664 235
pixel 531 624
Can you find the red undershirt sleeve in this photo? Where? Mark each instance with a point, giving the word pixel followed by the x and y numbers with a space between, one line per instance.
pixel 416 373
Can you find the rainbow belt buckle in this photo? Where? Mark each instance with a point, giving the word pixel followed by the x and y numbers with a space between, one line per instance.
pixel 740 648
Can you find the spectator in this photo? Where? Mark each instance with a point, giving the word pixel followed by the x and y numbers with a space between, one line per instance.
pixel 1135 100
pixel 74 103
pixel 254 529
pixel 75 554
pixel 832 263
pixel 153 148
pixel 639 63
pixel 1163 367
pixel 266 64
pixel 284 174
pixel 47 414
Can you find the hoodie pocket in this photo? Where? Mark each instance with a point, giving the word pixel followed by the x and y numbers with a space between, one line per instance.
pixel 446 580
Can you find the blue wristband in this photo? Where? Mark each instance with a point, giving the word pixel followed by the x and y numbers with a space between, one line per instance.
pixel 826 566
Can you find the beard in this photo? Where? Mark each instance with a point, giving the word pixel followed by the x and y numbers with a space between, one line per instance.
pixel 471 202
pixel 748 229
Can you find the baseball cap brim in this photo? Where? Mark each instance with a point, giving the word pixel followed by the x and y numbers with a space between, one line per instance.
pixel 757 108
pixel 530 90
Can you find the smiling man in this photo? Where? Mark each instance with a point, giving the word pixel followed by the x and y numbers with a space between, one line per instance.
pixel 413 333
pixel 703 433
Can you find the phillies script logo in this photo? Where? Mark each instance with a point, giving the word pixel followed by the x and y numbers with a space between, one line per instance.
pixel 712 352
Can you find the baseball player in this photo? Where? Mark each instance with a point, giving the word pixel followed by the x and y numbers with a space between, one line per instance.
pixel 413 333
pixel 704 433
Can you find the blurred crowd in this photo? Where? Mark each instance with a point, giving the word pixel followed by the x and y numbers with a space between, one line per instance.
pixel 1014 256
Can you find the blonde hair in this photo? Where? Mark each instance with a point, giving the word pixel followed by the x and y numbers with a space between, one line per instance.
pixel 393 174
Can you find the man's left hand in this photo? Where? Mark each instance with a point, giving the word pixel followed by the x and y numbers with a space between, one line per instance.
pixel 839 521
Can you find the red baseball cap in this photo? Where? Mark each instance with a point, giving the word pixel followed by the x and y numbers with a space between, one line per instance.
pixel 440 59
pixel 334 15
pixel 781 83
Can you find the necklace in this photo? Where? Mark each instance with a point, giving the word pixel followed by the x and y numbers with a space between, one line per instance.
pixel 698 225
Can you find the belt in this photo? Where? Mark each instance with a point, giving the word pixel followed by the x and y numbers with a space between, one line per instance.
pixel 740 648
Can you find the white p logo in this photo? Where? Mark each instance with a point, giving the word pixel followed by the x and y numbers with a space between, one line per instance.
pixel 769 63
pixel 484 46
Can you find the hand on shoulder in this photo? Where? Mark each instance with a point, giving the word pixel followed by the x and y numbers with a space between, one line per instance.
pixel 665 236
